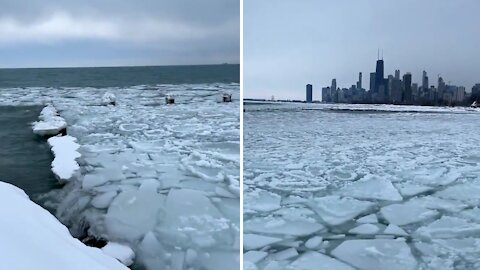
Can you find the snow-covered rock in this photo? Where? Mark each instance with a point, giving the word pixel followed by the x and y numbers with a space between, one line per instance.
pixel 50 123
pixel 31 238
pixel 109 99
pixel 64 148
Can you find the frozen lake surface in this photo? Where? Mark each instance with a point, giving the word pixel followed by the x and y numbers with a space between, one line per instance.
pixel 361 187
pixel 162 179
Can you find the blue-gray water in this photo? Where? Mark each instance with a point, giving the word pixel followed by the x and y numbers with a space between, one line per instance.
pixel 118 76
pixel 25 159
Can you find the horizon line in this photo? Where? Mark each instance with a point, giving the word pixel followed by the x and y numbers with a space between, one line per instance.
pixel 119 66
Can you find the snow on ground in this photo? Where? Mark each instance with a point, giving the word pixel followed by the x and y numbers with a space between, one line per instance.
pixel 392 187
pixel 160 179
pixel 31 238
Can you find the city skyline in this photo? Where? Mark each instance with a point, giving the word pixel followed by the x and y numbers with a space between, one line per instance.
pixel 290 44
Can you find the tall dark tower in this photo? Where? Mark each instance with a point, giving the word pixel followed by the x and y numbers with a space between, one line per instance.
pixel 407 86
pixel 379 77
pixel 309 93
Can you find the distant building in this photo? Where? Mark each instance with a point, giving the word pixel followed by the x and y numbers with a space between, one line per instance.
pixel 379 76
pixel 397 74
pixel 359 83
pixel 334 85
pixel 476 92
pixel 372 81
pixel 407 87
pixel 309 93
pixel 424 81
pixel 326 94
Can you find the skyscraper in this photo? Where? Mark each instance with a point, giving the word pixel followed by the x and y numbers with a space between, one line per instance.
pixel 309 93
pixel 397 74
pixel 379 76
pixel 359 83
pixel 407 86
pixel 425 81
pixel 372 81
pixel 334 85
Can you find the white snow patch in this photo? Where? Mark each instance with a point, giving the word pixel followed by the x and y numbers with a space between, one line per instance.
pixel 64 148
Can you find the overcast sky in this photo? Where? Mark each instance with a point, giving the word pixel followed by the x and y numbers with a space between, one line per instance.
pixel 46 33
pixel 288 44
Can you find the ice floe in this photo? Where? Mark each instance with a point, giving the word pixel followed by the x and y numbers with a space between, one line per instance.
pixel 50 123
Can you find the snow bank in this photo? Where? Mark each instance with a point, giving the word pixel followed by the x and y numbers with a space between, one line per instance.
pixel 50 123
pixel 33 239
pixel 64 148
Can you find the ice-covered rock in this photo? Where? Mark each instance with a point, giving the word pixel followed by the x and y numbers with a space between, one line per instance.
pixel 64 148
pixel 376 254
pixel 34 239
pixel 50 123
pixel 371 188
pixel 335 210
pixel 109 99
pixel 121 252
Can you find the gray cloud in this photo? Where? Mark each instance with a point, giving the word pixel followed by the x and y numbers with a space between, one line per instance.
pixel 288 44
pixel 207 31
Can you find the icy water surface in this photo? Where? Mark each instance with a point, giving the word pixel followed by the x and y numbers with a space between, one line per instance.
pixel 163 179
pixel 24 158
pixel 361 187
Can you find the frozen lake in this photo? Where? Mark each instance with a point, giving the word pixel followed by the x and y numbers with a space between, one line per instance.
pixel 162 179
pixel 361 187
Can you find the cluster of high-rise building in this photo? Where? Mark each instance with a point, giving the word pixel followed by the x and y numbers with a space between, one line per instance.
pixel 396 89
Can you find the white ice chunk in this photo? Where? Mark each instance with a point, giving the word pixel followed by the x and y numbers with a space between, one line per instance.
pixel 31 238
pixel 314 242
pixel 50 123
pixel 449 227
pixel 103 200
pixel 314 261
pixel 468 193
pixel 365 229
pixel 393 229
pixel 335 210
pixel 276 225
pixel 133 213
pixel 64 149
pixel 261 200
pixel 121 252
pixel 406 213
pixel 410 189
pixel 254 256
pixel 285 254
pixel 371 188
pixel 376 254
pixel 256 241
pixel 372 218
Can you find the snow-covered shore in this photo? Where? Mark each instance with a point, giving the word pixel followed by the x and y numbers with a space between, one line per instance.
pixel 31 238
